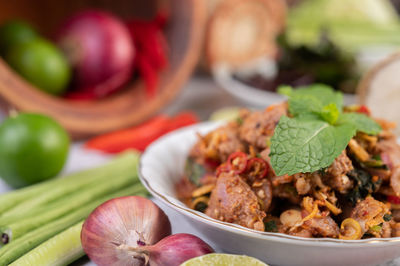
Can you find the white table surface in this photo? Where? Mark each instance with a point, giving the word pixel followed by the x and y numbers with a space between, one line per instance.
pixel 200 95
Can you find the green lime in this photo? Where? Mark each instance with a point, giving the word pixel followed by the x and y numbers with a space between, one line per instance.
pixel 33 148
pixel 14 32
pixel 41 63
pixel 216 259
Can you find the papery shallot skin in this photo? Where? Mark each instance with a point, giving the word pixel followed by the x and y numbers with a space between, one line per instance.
pixel 176 249
pixel 131 221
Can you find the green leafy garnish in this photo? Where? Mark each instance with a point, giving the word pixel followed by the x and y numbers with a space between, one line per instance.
pixel 317 132
pixel 307 145
pixel 376 228
pixel 271 226
pixel 387 217
pixel 363 185
pixel 362 122
pixel 194 171
pixel 330 113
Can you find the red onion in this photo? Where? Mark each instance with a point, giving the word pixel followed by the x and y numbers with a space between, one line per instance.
pixel 172 250
pixel 133 221
pixel 131 231
pixel 99 47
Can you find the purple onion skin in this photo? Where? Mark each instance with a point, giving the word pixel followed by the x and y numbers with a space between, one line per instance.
pixel 105 229
pixel 176 249
pixel 99 48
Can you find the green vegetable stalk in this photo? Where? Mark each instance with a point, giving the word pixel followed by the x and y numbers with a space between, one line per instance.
pixel 61 249
pixel 41 194
pixel 20 227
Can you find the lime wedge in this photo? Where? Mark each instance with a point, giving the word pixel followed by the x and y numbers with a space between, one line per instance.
pixel 216 259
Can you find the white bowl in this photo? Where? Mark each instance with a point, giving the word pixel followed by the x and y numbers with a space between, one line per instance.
pixel 252 96
pixel 161 167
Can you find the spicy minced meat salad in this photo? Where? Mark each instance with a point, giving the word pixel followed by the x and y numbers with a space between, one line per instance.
pixel 307 167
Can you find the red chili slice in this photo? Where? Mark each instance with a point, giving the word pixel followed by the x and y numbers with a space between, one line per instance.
pixel 211 163
pixel 364 110
pixel 223 168
pixel 257 168
pixel 237 162
pixel 393 199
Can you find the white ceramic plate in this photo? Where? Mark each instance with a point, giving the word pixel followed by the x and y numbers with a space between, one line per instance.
pixel 161 167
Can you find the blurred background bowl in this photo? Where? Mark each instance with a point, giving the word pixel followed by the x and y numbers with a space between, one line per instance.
pixel 129 106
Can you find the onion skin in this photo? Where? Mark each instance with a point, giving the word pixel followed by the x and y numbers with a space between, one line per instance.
pixel 119 222
pixel 100 49
pixel 176 249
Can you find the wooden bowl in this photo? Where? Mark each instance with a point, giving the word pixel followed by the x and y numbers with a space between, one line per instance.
pixel 127 107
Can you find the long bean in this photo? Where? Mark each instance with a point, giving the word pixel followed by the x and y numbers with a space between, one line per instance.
pixel 16 229
pixel 126 162
pixel 11 199
pixel 20 246
pixel 77 197
pixel 59 250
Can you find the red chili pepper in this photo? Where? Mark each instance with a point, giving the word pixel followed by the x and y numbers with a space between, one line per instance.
pixel 185 118
pixel 223 168
pixel 364 110
pixel 393 199
pixel 149 41
pixel 80 95
pixel 257 168
pixel 139 137
pixel 212 164
pixel 162 17
pixel 149 75
pixel 237 162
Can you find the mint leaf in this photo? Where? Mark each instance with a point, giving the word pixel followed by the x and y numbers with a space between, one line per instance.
pixel 325 94
pixel 330 113
pixel 300 145
pixel 302 104
pixel 285 90
pixel 361 122
pixel 311 98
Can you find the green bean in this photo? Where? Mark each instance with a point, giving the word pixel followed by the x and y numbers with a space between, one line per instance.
pixel 14 230
pixel 59 250
pixel 19 202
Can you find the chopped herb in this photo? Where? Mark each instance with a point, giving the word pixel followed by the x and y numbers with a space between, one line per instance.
pixel 376 228
pixel 375 164
pixel 364 185
pixel 377 157
pixel 194 171
pixel 387 217
pixel 271 226
pixel 268 142
pixel 239 120
pixel 201 206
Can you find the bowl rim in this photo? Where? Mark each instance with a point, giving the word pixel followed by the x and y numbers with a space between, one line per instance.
pixel 231 226
pixel 253 96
